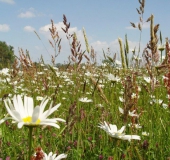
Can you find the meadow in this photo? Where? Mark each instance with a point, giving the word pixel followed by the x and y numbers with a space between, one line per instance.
pixel 116 110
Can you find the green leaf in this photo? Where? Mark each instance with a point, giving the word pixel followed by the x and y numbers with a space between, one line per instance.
pixel 110 59
pixel 160 37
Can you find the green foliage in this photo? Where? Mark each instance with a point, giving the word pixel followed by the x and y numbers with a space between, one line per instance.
pixel 80 137
pixel 6 55
pixel 109 88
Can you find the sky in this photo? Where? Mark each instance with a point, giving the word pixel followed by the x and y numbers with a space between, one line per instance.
pixel 103 21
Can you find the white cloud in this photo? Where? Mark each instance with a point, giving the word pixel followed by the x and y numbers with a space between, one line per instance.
pixel 4 28
pixel 45 29
pixel 29 29
pixel 135 45
pixel 114 47
pixel 144 26
pixel 65 48
pixel 30 13
pixel 8 1
pixel 27 14
pixel 98 46
pixel 38 48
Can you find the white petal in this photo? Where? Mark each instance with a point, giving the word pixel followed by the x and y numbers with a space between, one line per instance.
pixel 133 111
pixel 46 113
pixel 54 156
pixel 43 100
pixel 20 106
pixel 4 119
pixel 121 110
pixel 50 154
pixel 6 103
pixel 20 124
pixel 43 105
pixel 50 124
pixel 29 104
pixel 15 102
pixel 136 137
pixel 105 126
pixel 61 156
pixel 113 128
pixel 14 114
pixel 46 157
pixel 49 111
pixel 129 137
pixel 26 105
pixel 54 109
pixel 122 129
pixel 102 126
pixel 60 119
pixel 35 114
pixel 54 120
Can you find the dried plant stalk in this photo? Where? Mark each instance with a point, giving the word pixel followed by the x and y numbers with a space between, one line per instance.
pixel 122 54
pixel 126 50
pixel 56 42
pixel 100 90
pixel 86 41
pixel 152 31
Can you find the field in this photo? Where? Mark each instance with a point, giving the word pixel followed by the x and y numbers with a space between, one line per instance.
pixel 109 111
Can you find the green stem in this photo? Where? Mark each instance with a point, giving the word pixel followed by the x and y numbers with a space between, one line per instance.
pixel 161 56
pixel 115 155
pixel 30 141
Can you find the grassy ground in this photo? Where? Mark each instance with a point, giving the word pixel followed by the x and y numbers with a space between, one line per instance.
pixel 80 137
pixel 130 95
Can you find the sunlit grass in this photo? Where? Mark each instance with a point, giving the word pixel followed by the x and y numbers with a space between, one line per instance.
pixel 92 95
pixel 81 137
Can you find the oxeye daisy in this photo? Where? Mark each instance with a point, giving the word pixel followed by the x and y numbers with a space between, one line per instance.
pixel 52 156
pixel 41 155
pixel 132 114
pixel 85 100
pixel 112 130
pixel 24 113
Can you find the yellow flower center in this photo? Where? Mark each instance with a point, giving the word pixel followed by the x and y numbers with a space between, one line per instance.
pixel 118 134
pixel 38 121
pixel 29 120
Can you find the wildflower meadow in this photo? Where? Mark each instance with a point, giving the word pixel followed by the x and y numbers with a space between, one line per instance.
pixel 118 109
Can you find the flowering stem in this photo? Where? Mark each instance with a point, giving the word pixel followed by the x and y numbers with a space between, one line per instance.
pixel 117 142
pixel 30 141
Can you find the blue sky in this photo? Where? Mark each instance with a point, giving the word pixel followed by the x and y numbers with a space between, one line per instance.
pixel 104 22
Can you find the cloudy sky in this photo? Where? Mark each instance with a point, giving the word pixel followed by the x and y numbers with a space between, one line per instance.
pixel 104 22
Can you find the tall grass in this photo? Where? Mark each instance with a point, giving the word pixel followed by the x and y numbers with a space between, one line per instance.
pixel 141 89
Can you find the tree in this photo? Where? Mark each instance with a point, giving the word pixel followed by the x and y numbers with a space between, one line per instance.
pixel 6 55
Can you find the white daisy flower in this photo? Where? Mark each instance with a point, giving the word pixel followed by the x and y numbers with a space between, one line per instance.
pixel 85 100
pixel 145 133
pixel 112 78
pixel 26 114
pixel 132 114
pixel 52 156
pixel 115 133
